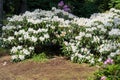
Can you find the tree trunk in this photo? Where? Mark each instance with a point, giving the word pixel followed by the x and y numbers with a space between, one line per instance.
pixel 1 12
pixel 23 6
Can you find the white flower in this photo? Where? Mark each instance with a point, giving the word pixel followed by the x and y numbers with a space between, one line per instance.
pixel 46 36
pixel 100 59
pixel 30 30
pixel 54 8
pixel 22 31
pixel 31 48
pixel 10 38
pixel 16 33
pixel 72 57
pixel 117 21
pixel 66 43
pixel 74 48
pixel 26 52
pixel 88 57
pixel 19 26
pixel 92 61
pixel 14 57
pixel 4 39
pixel 78 37
pixel 14 49
pixel 63 34
pixel 41 38
pixel 20 38
pixel 4 28
pixel 26 36
pixel 81 34
pixel 21 57
pixel 80 56
pixel 16 18
pixel 114 32
pixel 19 47
pixel 112 54
pixel 112 9
pixel 96 39
pixel 88 35
pixel 53 27
pixel 39 30
pixel 103 29
pixel 84 50
pixel 118 52
pixel 34 39
pixel 44 30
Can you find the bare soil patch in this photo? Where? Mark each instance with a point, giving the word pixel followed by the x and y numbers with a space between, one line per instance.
pixel 55 69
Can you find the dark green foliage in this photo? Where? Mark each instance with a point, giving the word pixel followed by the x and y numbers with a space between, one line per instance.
pixel 82 8
pixel 78 7
pixel 12 6
pixel 42 4
pixel 114 3
pixel 102 5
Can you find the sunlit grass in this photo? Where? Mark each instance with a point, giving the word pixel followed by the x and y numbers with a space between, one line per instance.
pixel 40 57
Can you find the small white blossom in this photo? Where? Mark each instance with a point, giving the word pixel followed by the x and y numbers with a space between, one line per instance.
pixel 41 38
pixel 14 49
pixel 114 32
pixel 21 57
pixel 46 36
pixel 26 52
pixel 11 38
pixel 14 57
pixel 31 48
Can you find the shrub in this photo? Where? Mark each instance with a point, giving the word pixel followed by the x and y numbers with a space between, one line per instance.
pixel 38 28
pixel 97 40
pixel 88 40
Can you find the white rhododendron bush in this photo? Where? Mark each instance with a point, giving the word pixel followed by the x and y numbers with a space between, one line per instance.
pixel 88 40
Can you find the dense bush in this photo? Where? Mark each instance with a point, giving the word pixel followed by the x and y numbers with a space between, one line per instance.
pixel 98 38
pixel 25 32
pixel 88 40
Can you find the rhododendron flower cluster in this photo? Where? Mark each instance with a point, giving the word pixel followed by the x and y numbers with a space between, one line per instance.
pixel 108 61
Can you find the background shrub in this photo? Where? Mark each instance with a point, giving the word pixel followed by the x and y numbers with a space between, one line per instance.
pixel 81 8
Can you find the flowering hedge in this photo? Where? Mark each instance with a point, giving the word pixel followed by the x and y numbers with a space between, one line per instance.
pixel 88 40
pixel 98 38
pixel 24 32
